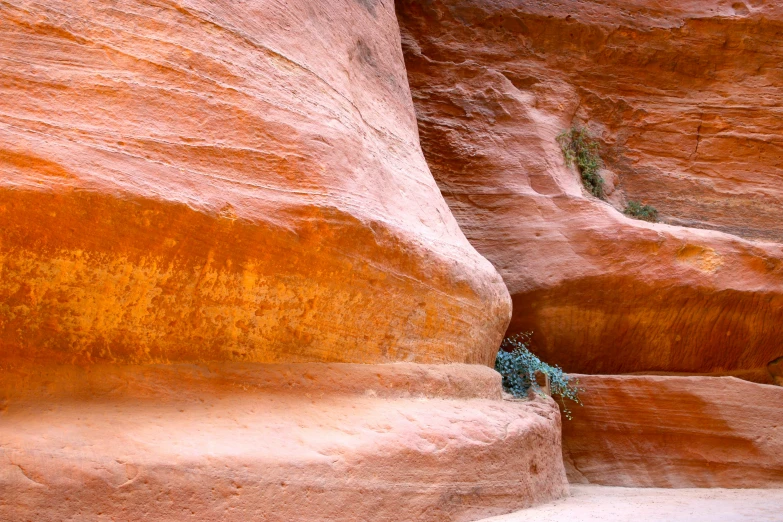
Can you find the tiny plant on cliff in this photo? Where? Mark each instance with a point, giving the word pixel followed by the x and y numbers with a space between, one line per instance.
pixel 639 211
pixel 581 148
pixel 518 366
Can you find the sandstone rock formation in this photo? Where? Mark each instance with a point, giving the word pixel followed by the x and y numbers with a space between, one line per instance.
pixel 685 99
pixel 675 432
pixel 776 371
pixel 217 180
pixel 203 202
pixel 289 442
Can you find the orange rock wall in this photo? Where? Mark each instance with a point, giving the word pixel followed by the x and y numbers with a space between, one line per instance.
pixel 676 432
pixel 495 82
pixel 224 181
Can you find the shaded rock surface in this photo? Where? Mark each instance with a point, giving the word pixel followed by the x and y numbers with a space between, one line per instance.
pixel 684 100
pixel 201 181
pixel 295 442
pixel 676 432
pixel 775 369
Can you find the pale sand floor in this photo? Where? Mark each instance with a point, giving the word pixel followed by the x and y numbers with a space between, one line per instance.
pixel 609 504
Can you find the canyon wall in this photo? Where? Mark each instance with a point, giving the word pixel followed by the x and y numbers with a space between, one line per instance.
pixel 201 181
pixel 201 204
pixel 684 101
pixel 676 432
pixel 208 208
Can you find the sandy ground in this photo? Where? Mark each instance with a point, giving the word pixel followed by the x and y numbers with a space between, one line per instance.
pixel 610 504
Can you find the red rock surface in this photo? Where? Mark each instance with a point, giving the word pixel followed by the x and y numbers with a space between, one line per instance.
pixel 676 432
pixel 684 98
pixel 295 442
pixel 216 180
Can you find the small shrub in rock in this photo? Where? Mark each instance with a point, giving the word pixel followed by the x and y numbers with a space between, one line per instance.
pixel 518 366
pixel 639 211
pixel 581 148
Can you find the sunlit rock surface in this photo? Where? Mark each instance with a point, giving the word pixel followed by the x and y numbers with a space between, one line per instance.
pixel 225 180
pixel 288 442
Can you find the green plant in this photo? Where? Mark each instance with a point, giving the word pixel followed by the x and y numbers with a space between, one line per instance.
pixel 518 366
pixel 581 148
pixel 639 211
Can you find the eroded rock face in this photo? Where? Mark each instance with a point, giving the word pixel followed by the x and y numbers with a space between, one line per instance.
pixel 775 369
pixel 495 82
pixel 288 442
pixel 224 181
pixel 658 431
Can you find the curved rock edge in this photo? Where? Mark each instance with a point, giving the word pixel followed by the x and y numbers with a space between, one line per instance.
pixel 281 442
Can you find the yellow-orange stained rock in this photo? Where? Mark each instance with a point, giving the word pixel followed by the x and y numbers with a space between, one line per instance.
pixel 224 181
pixel 675 432
pixel 494 83
pixel 775 369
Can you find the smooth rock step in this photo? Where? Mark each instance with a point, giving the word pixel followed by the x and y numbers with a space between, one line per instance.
pixel 284 442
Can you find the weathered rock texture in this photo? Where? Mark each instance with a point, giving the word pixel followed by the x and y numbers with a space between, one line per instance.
pixel 675 432
pixel 775 369
pixel 240 442
pixel 191 181
pixel 685 99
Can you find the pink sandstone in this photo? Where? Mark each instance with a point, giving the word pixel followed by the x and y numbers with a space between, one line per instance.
pixel 676 432
pixel 684 99
pixel 289 442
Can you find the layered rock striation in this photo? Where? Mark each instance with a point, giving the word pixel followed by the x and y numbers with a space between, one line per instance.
pixel 203 203
pixel 683 100
pixel 676 432
pixel 202 181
